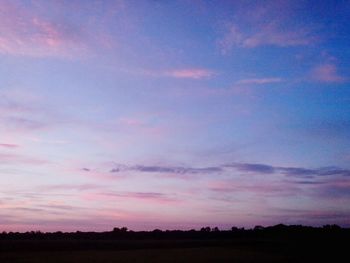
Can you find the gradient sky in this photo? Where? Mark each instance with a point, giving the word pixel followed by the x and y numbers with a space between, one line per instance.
pixel 173 114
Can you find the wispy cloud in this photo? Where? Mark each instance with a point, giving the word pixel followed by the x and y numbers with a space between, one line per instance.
pixel 327 73
pixel 112 196
pixel 334 190
pixel 20 159
pixel 242 167
pixel 69 187
pixel 192 73
pixel 154 196
pixel 24 123
pixel 23 112
pixel 290 171
pixel 323 171
pixel 263 189
pixel 253 167
pixel 305 182
pixel 259 81
pixel 16 102
pixel 23 32
pixel 271 34
pixel 297 171
pixel 178 73
pixel 271 23
pixel 166 169
pixel 9 145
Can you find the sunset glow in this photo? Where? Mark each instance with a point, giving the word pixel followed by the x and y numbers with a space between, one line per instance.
pixel 173 114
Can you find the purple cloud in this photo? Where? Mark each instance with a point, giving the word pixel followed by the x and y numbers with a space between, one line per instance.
pixel 253 167
pixel 242 167
pixel 334 190
pixel 167 169
pixel 25 32
pixel 271 34
pixel 297 171
pixel 290 171
pixel 323 171
pixel 24 123
pixel 270 23
pixel 327 73
pixel 140 196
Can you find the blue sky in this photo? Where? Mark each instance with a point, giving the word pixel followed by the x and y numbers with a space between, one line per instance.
pixel 173 114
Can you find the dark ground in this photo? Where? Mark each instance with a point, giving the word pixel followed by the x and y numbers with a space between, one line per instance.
pixel 274 244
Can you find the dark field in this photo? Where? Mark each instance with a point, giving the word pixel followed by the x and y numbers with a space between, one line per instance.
pixel 201 254
pixel 264 245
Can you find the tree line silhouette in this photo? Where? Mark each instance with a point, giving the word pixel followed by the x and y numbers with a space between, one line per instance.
pixel 279 238
pixel 204 232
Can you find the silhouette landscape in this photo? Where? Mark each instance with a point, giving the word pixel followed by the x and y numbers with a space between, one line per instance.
pixel 279 243
pixel 174 131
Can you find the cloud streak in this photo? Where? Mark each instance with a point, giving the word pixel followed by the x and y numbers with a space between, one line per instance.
pixel 270 23
pixel 194 73
pixel 241 167
pixel 166 169
pixel 323 171
pixel 270 34
pixel 253 167
pixel 259 81
pixel 9 145
pixel 20 159
pixel 327 73
pixel 179 73
pixel 129 196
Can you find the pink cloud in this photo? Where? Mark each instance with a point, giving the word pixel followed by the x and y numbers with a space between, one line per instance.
pixel 262 189
pixel 194 73
pixel 46 141
pixel 17 102
pixel 327 73
pixel 22 112
pixel 69 187
pixel 134 122
pixel 99 175
pixel 21 159
pixel 24 33
pixel 8 145
pixel 154 197
pixel 184 73
pixel 259 81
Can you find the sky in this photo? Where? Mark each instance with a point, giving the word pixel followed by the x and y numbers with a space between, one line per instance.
pixel 173 114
